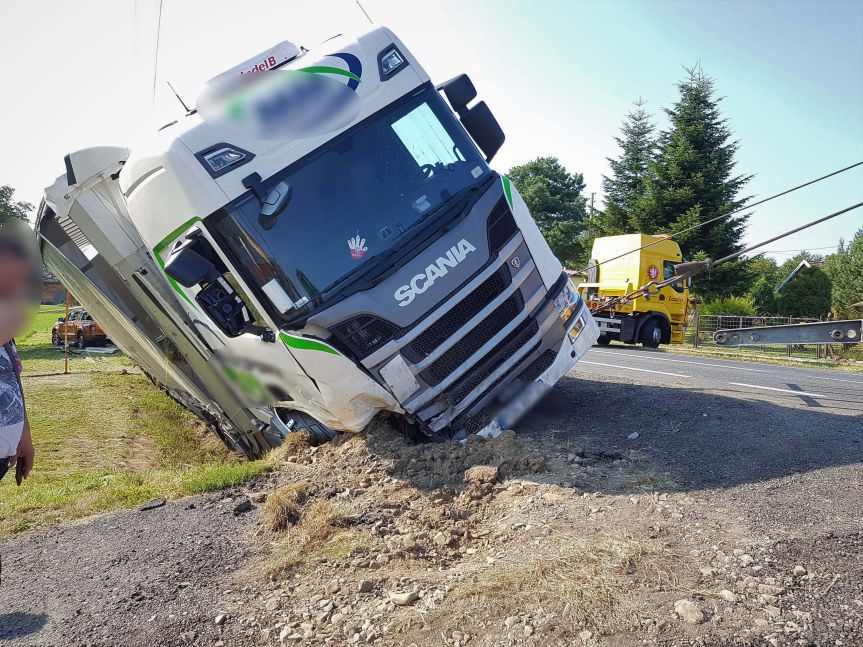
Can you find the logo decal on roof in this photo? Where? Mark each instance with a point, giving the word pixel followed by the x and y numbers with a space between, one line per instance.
pixel 284 104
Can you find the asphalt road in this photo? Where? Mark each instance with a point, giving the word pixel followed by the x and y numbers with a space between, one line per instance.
pixel 787 386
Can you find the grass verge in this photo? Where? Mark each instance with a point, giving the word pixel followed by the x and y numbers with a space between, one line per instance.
pixel 106 439
pixel 851 362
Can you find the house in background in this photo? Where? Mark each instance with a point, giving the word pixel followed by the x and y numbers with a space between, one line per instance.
pixel 53 292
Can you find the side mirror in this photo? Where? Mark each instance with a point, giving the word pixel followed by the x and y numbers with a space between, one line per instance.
pixel 459 92
pixel 61 319
pixel 188 268
pixel 483 129
pixel 274 204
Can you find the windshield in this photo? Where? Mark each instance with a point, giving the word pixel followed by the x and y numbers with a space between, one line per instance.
pixel 352 200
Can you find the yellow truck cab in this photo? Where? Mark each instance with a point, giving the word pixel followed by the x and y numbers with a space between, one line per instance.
pixel 651 321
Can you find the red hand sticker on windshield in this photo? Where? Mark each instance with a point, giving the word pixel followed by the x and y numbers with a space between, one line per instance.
pixel 358 247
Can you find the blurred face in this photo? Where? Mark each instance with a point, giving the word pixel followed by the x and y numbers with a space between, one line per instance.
pixel 15 306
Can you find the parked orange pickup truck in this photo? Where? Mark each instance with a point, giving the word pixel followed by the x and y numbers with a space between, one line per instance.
pixel 80 330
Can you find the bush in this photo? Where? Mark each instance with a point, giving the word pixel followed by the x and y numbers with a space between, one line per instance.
pixel 806 295
pixel 763 297
pixel 728 306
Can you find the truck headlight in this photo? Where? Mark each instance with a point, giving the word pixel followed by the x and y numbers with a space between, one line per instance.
pixel 567 302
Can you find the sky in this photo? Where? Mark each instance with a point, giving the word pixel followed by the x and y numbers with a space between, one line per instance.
pixel 559 76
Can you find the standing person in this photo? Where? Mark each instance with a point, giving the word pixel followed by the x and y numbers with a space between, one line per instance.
pixel 18 291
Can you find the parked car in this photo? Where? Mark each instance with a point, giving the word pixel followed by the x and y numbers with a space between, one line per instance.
pixel 79 329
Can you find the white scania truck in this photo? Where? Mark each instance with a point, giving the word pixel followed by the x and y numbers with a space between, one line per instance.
pixel 319 252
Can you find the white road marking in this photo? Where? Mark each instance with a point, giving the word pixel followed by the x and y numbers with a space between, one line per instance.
pixel 630 368
pixel 770 388
pixel 835 379
pixel 642 355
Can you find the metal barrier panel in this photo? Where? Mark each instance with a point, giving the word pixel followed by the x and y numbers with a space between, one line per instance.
pixel 700 329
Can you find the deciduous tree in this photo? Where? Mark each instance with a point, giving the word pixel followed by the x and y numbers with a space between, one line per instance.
pixel 554 197
pixel 845 269
pixel 10 209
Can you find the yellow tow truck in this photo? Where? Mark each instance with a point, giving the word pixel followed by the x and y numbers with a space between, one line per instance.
pixel 652 320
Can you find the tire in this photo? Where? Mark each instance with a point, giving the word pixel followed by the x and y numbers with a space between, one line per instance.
pixel 603 340
pixel 55 339
pixel 651 334
pixel 319 432
pixel 80 342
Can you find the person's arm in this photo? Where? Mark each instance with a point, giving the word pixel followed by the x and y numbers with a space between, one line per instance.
pixel 25 449
pixel 25 445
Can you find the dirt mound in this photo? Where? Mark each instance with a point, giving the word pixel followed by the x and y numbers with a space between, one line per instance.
pixel 377 539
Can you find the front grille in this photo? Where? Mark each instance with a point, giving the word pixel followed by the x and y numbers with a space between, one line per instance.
pixel 365 333
pixel 474 423
pixel 441 330
pixel 501 226
pixel 539 366
pixel 438 370
pixel 509 346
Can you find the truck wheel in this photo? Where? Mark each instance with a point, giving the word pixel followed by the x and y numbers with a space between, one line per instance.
pixel 55 338
pixel 651 334
pixel 603 340
pixel 80 342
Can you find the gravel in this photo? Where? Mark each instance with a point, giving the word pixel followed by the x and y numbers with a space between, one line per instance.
pixel 759 505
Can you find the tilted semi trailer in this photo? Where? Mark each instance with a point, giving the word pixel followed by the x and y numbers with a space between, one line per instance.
pixel 321 241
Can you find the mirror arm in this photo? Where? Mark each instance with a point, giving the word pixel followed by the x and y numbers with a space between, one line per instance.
pixel 254 183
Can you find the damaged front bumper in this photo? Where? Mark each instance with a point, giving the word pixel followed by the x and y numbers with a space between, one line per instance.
pixel 581 334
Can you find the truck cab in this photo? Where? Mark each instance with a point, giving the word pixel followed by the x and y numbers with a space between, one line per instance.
pixel 367 261
pixel 616 270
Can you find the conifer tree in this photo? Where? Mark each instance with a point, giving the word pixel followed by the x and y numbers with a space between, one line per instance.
pixel 625 188
pixel 693 180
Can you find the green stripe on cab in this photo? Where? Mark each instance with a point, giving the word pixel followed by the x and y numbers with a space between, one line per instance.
pixel 304 343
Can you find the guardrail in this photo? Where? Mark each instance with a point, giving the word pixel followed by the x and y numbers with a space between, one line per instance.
pixel 701 328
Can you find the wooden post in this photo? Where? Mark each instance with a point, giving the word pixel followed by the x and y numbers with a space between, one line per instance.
pixel 65 335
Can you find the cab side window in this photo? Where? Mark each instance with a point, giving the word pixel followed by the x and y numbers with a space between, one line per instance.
pixel 668 272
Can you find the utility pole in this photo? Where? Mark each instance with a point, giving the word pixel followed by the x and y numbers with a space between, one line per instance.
pixel 590 217
pixel 66 334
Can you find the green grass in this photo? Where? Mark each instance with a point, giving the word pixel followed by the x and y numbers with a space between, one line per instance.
pixel 850 360
pixel 106 439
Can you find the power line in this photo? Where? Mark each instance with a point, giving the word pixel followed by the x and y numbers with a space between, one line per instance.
pixel 804 249
pixel 156 58
pixel 364 11
pixel 731 257
pixel 712 220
